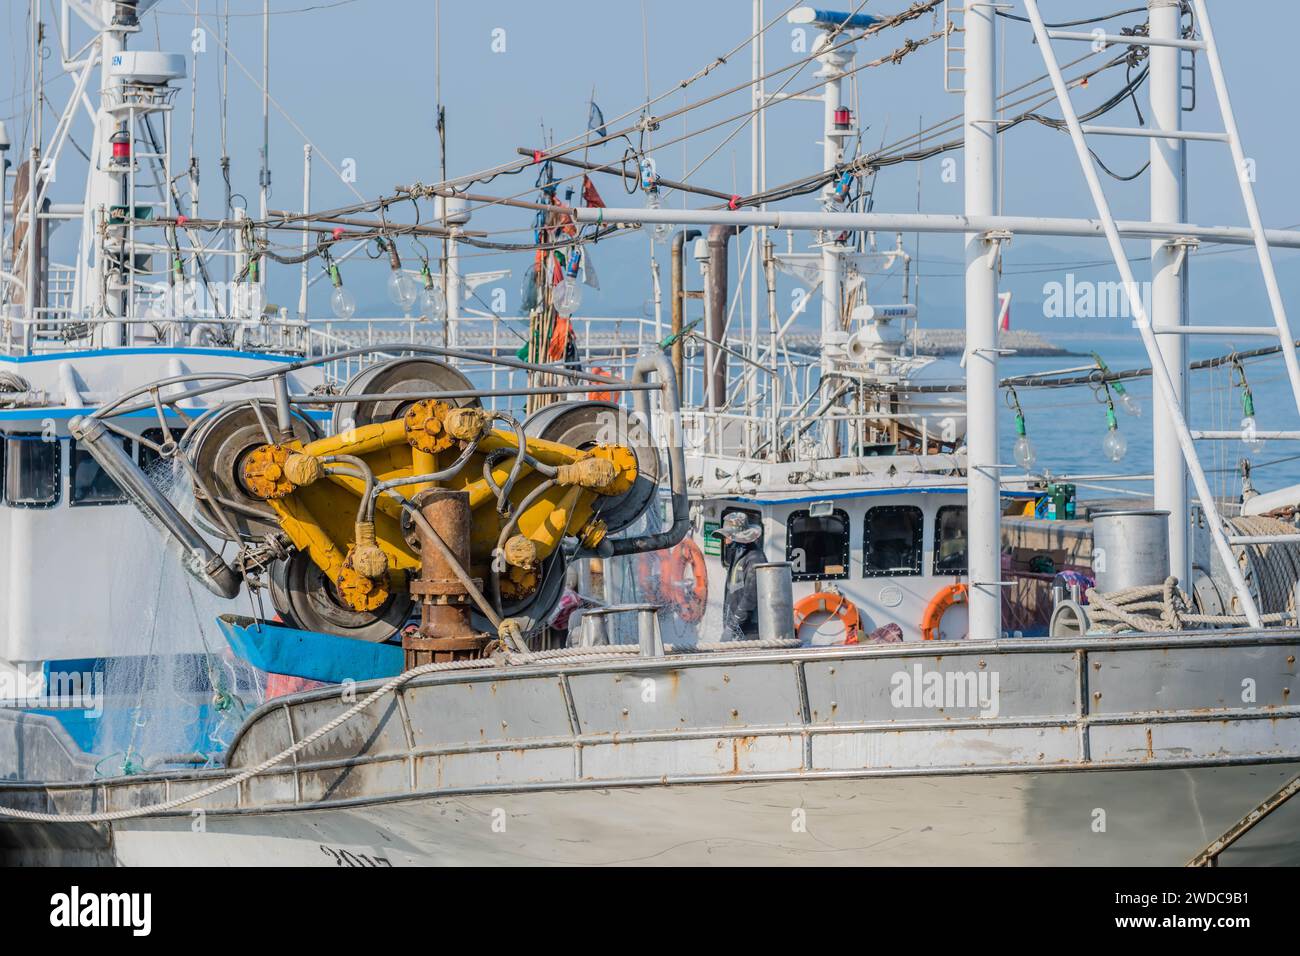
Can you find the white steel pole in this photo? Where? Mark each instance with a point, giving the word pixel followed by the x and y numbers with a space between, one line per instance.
pixel 1240 164
pixel 1161 383
pixel 306 233
pixel 453 286
pixel 836 56
pixel 264 177
pixel 33 164
pixel 983 481
pixel 1166 284
pixel 755 171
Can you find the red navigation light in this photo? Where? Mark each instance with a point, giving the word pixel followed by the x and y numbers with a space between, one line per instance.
pixel 843 118
pixel 121 143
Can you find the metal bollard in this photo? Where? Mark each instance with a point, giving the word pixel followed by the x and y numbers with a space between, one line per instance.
pixel 775 602
pixel 595 628
pixel 647 630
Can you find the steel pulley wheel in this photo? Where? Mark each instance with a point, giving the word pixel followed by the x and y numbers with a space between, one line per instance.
pixel 218 451
pixel 406 375
pixel 306 599
pixel 537 607
pixel 587 424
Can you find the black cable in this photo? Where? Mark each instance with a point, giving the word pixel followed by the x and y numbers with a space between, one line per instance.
pixel 1075 23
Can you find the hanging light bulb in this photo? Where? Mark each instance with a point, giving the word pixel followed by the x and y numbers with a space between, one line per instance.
pixel 661 230
pixel 342 302
pixel 1250 434
pixel 1114 446
pixel 1024 451
pixel 567 295
pixel 1127 402
pixel 402 289
pixel 433 304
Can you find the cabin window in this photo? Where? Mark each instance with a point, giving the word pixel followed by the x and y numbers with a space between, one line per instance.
pixel 90 484
pixel 892 541
pixel 32 471
pixel 818 547
pixel 950 540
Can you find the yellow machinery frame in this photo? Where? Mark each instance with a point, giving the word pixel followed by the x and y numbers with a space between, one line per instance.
pixel 319 501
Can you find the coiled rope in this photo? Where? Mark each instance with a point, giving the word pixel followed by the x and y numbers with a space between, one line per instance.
pixel 1157 607
pixel 568 653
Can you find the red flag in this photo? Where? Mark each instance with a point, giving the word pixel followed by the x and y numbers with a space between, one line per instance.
pixel 589 194
pixel 1004 313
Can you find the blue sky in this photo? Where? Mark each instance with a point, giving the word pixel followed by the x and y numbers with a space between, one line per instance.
pixel 359 78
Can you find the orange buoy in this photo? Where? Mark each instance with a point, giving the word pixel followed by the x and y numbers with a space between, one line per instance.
pixel 599 396
pixel 833 604
pixel 684 580
pixel 938 607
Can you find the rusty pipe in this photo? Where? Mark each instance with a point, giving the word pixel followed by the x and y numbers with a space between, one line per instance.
pixel 671 416
pixel 678 297
pixel 715 324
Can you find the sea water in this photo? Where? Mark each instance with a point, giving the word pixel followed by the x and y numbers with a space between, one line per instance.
pixel 1067 425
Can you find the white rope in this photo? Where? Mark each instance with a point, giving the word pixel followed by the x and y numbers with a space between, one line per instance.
pixel 568 653
pixel 1157 607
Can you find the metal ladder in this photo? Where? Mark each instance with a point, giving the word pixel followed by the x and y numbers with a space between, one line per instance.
pixel 1280 329
pixel 952 27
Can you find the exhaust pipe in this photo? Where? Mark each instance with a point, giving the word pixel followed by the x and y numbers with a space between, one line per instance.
pixel 197 556
pixel 658 363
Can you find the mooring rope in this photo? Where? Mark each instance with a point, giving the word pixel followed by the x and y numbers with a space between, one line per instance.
pixel 1157 607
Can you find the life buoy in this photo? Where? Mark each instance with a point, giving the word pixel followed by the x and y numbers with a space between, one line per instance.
pixel 938 607
pixel 684 580
pixel 835 605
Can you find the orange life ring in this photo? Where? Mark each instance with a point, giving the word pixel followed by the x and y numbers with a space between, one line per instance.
pixel 598 395
pixel 938 607
pixel 684 580
pixel 836 605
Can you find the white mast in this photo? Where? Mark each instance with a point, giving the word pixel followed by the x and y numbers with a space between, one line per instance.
pixel 1167 262
pixel 983 480
pixel 758 148
pixel 835 56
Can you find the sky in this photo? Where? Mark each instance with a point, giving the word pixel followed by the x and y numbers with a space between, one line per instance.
pixel 359 80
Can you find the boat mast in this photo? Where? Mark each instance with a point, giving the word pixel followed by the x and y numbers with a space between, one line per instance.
pixel 758 175
pixel 32 235
pixel 981 176
pixel 835 58
pixel 1168 260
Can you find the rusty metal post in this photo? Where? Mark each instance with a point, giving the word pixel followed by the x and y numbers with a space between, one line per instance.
pixel 445 632
pixel 678 296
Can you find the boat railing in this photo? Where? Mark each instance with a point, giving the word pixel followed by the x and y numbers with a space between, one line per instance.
pixel 52 329
pixel 611 343
pixel 749 435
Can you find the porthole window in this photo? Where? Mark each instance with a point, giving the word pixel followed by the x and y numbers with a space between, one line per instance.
pixel 892 541
pixel 950 540
pixel 32 471
pixel 818 547
pixel 89 484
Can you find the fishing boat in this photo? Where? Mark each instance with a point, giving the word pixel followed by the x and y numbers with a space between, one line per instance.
pixel 428 601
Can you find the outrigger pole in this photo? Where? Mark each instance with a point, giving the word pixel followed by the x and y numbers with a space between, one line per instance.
pixel 1169 265
pixel 941 223
pixel 983 480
